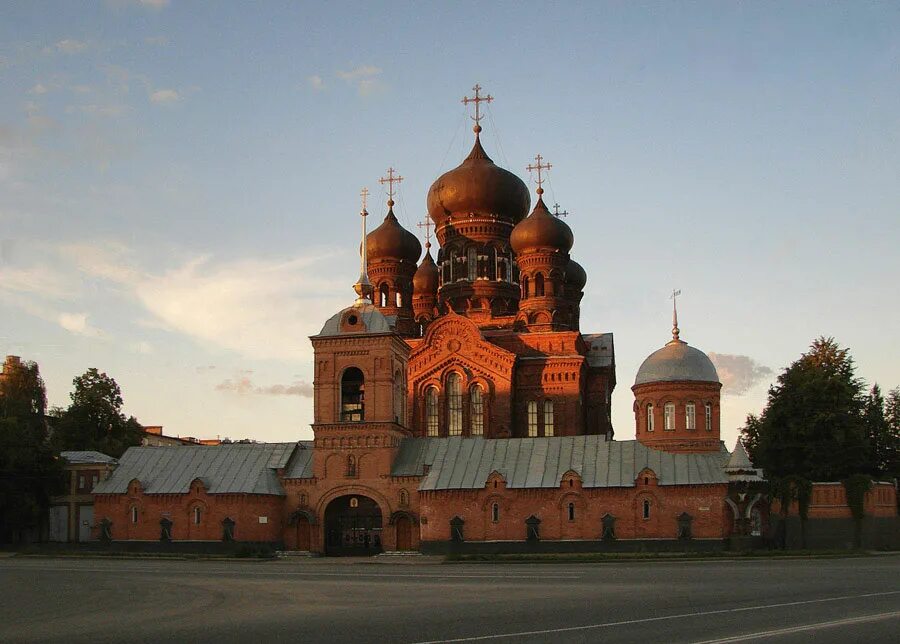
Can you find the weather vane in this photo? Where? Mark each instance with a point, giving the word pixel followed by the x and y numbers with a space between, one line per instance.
pixel 390 180
pixel 674 298
pixel 478 100
pixel 556 212
pixel 427 226
pixel 538 167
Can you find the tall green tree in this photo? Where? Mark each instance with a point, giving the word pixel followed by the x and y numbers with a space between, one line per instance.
pixel 812 426
pixel 94 419
pixel 876 430
pixel 29 473
pixel 889 449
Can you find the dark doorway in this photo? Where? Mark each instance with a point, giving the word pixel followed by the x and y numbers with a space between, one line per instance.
pixel 353 527
pixel 404 533
pixel 302 533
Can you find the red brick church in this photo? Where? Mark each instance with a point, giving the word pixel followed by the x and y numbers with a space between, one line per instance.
pixel 459 405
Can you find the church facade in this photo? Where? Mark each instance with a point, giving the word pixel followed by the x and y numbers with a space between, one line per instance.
pixel 459 405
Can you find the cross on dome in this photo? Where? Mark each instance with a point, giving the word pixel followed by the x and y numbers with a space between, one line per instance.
pixel 390 180
pixel 538 167
pixel 363 286
pixel 557 213
pixel 675 330
pixel 427 226
pixel 478 100
pixel 364 193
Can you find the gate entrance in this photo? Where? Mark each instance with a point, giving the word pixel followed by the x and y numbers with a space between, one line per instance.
pixel 353 527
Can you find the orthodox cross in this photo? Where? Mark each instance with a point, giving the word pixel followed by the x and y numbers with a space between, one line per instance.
pixel 539 166
pixel 427 226
pixel 363 287
pixel 364 193
pixel 564 213
pixel 390 180
pixel 478 100
pixel 674 298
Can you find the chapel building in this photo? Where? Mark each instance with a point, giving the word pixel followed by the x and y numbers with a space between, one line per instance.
pixel 459 406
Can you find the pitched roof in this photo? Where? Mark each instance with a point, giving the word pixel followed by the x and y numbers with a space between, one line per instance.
pixel 466 463
pixel 86 457
pixel 739 466
pixel 224 469
pixel 301 464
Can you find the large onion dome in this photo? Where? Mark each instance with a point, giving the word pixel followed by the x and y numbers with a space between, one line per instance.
pixel 392 241
pixel 478 186
pixel 540 230
pixel 677 361
pixel 425 281
pixel 576 277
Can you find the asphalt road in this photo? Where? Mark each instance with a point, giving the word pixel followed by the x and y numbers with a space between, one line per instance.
pixel 99 600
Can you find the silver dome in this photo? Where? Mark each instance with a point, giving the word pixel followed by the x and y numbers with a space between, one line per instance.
pixel 372 321
pixel 675 362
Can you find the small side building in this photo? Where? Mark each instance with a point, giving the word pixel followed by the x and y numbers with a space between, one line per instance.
pixel 72 514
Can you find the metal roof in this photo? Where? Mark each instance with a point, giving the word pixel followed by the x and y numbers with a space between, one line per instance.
pixel 466 463
pixel 674 362
pixel 601 350
pixel 301 464
pixel 373 320
pixel 86 457
pixel 224 469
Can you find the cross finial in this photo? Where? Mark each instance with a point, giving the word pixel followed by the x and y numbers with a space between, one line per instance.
pixel 427 226
pixel 363 287
pixel 478 100
pixel 675 330
pixel 539 166
pixel 364 193
pixel 556 212
pixel 390 180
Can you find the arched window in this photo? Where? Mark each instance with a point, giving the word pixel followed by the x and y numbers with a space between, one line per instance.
pixel 646 508
pixel 532 418
pixel 473 264
pixel 669 416
pixel 431 411
pixel 454 405
pixel 571 512
pixel 399 402
pixel 690 416
pixel 198 513
pixel 548 418
pixel 383 292
pixel 525 288
pixel 495 512
pixel 134 514
pixel 649 417
pixel 477 413
pixel 352 396
pixel 708 419
pixel 501 269
pixel 539 285
pixel 399 295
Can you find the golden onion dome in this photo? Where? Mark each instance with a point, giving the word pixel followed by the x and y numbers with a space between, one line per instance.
pixel 425 281
pixel 477 185
pixel 392 241
pixel 539 230
pixel 576 276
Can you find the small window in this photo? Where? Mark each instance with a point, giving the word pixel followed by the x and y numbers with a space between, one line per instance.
pixel 532 418
pixel 94 480
pixel 454 405
pixel 352 396
pixel 495 512
pixel 197 515
pixel 670 416
pixel 431 411
pixel 690 416
pixel 649 417
pixel 539 285
pixel 473 264
pixel 548 418
pixel 477 420
pixel 571 512
pixel 383 292
pixel 708 419
pixel 525 288
pixel 80 482
pixel 134 514
pixel 399 299
pixel 646 508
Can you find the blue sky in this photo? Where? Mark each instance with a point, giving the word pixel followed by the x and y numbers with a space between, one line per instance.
pixel 179 181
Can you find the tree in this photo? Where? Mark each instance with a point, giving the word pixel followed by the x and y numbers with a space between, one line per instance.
pixel 812 426
pixel 94 419
pixel 29 473
pixel 889 450
pixel 876 431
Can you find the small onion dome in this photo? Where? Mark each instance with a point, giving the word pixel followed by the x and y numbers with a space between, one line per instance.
pixel 576 277
pixel 541 229
pixel 392 241
pixel 677 361
pixel 425 281
pixel 478 186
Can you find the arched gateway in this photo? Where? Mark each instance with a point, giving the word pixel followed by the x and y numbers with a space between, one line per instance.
pixel 353 526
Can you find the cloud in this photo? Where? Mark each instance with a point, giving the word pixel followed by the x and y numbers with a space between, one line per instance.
pixel 739 374
pixel 112 110
pixel 244 386
pixel 39 88
pixel 165 96
pixel 161 41
pixel 77 323
pixel 70 46
pixel 364 77
pixel 316 82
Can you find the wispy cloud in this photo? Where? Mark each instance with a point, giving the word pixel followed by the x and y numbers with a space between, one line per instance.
pixel 244 386
pixel 77 323
pixel 70 46
pixel 160 41
pixel 365 78
pixel 38 89
pixel 316 82
pixel 165 96
pixel 739 374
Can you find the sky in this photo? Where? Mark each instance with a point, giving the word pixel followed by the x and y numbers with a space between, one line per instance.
pixel 179 181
